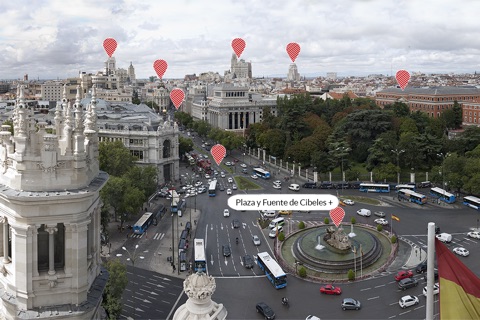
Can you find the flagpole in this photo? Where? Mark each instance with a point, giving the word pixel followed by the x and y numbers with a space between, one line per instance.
pixel 430 270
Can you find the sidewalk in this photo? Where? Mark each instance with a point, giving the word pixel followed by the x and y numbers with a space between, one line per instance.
pixel 161 257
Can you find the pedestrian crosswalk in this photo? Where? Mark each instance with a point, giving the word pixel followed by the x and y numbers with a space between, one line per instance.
pixel 156 236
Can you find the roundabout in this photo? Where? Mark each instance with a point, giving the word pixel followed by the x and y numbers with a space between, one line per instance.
pixel 363 250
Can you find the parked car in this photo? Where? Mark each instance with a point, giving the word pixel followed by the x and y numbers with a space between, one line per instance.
pixel 364 212
pixel 226 213
pixel 256 240
pixel 408 301
pixel 474 234
pixel 351 304
pixel 407 283
pixel 349 202
pixel 380 214
pixel 436 289
pixel 421 268
pixel 311 185
pixel 330 289
pixel 381 221
pixel 226 250
pixel 235 223
pixel 461 251
pixel 248 261
pixel 326 185
pixel 403 274
pixel 265 310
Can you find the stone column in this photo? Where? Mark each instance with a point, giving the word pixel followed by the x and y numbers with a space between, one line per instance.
pixel 6 233
pixel 51 249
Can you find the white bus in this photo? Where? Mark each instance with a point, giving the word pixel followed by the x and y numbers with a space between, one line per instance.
pixel 472 202
pixel 212 188
pixel 261 173
pixel 272 270
pixel 200 264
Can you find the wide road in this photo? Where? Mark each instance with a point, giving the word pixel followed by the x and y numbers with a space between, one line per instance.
pixel 239 288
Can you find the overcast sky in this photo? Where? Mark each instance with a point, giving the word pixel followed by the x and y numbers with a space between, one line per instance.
pixel 53 39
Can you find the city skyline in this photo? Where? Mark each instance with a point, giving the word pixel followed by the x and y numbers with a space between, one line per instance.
pixel 55 40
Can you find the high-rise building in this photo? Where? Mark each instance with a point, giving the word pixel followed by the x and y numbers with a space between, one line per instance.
pixel 239 69
pixel 50 214
pixel 293 74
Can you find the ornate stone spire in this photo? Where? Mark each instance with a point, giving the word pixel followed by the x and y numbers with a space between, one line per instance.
pixel 78 113
pixel 21 114
pixel 90 117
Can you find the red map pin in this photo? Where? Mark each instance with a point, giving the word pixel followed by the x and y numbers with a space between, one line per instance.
pixel 402 76
pixel 293 49
pixel 110 45
pixel 160 67
pixel 238 45
pixel 218 152
pixel 177 96
pixel 337 215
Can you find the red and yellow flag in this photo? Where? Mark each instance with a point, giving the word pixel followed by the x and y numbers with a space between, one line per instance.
pixel 394 217
pixel 459 287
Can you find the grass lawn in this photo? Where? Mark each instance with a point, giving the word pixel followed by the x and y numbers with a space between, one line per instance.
pixel 246 184
pixel 361 199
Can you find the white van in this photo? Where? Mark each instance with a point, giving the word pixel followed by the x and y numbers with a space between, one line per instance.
pixel 269 213
pixel 273 233
pixel 364 212
pixel 277 222
pixel 444 237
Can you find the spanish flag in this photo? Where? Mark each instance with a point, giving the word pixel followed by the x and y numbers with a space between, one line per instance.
pixel 459 287
pixel 395 217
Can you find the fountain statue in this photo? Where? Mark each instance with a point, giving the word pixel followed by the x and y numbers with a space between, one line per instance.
pixel 337 239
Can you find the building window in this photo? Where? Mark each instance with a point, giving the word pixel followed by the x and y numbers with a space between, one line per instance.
pixel 166 149
pixel 137 154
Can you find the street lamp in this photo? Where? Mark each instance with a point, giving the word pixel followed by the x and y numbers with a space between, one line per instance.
pixel 398 152
pixel 344 150
pixel 132 257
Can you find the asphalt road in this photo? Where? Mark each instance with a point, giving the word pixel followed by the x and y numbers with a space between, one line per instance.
pixel 239 288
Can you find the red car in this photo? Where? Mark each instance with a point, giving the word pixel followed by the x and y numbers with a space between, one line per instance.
pixel 403 274
pixel 330 289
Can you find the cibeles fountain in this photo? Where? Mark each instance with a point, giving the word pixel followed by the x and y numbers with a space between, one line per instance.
pixel 329 249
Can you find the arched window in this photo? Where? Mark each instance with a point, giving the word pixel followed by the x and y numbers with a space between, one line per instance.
pixel 166 148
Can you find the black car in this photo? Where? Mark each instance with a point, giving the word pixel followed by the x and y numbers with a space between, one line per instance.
pixel 326 185
pixel 235 223
pixel 226 250
pixel 407 283
pixel 222 188
pixel 248 261
pixel 265 310
pixel 435 276
pixel 311 185
pixel 422 267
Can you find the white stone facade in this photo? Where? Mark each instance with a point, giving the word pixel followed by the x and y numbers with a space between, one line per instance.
pixel 50 215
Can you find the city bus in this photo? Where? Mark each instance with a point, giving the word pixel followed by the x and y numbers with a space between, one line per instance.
pixel 143 223
pixel 443 195
pixel 374 187
pixel 272 270
pixel 261 173
pixel 405 186
pixel 412 196
pixel 175 201
pixel 472 202
pixel 212 188
pixel 200 262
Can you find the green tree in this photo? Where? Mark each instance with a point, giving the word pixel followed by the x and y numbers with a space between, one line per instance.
pixel 302 272
pixel 135 99
pixel 351 275
pixel 202 127
pixel 301 225
pixel 385 172
pixel 143 178
pixel 184 145
pixel 184 119
pixel 115 158
pixel 326 220
pixel 273 140
pixel 458 112
pixel 116 284
pixel 379 227
pixel 353 220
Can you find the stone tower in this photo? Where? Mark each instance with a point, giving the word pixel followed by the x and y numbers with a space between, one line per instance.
pixel 199 288
pixel 50 214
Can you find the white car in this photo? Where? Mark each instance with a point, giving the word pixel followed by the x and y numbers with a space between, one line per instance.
pixel 256 240
pixel 229 191
pixel 364 212
pixel 234 187
pixel 461 251
pixel 408 301
pixel 198 183
pixel 349 202
pixel 436 289
pixel 277 186
pixel 381 221
pixel 230 180
pixel 254 177
pixel 226 213
pixel 207 176
pixel 228 163
pixel 277 182
pixel 243 165
pixel 294 187
pixel 474 234
pixel 222 174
